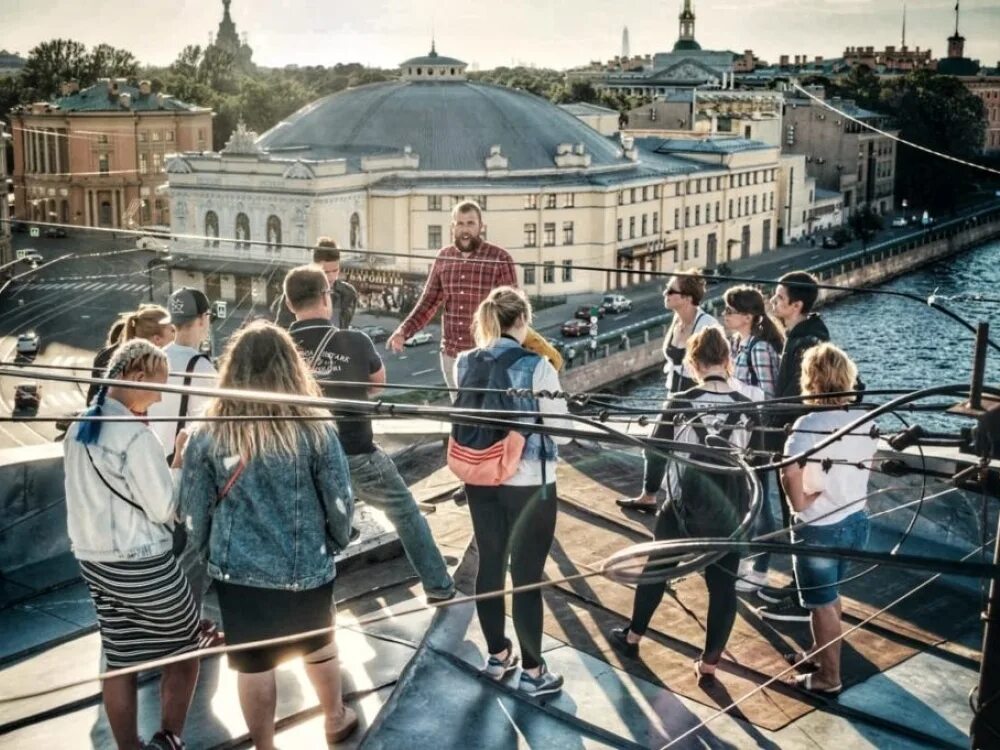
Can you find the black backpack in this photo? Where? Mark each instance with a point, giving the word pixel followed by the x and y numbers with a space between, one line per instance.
pixel 486 455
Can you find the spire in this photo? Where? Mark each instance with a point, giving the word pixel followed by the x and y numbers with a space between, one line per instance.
pixel 686 38
pixel 904 27
pixel 625 44
pixel 956 17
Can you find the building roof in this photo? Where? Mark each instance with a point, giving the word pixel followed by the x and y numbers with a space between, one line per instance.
pixel 449 125
pixel 581 109
pixel 99 98
pixel 432 58
pixel 683 45
pixel 703 145
pixel 822 194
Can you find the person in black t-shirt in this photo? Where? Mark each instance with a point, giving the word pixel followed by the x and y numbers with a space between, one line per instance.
pixel 350 357
pixel 326 257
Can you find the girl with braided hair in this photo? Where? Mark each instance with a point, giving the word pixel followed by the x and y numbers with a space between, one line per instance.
pixel 120 509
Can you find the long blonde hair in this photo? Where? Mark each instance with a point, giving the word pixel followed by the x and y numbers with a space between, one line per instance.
pixel 263 357
pixel 498 313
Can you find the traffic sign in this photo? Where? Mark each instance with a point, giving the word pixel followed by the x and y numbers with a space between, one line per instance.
pixel 34 232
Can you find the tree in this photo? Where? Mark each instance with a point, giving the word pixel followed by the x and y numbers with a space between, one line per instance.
pixel 264 103
pixel 50 64
pixel 865 223
pixel 105 61
pixel 939 113
pixel 863 86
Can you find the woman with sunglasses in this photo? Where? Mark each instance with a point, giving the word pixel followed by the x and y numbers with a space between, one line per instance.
pixel 756 345
pixel 682 296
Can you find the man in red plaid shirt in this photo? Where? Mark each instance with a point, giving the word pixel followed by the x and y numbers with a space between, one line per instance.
pixel 463 274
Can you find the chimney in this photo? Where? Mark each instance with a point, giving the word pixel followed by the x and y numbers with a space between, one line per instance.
pixel 783 61
pixel 818 59
pixel 144 88
pixel 64 88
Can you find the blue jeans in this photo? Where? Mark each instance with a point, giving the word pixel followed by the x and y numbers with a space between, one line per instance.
pixel 766 521
pixel 376 481
pixel 819 577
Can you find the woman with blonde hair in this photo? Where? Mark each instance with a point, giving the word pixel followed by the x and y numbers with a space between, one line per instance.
pixel 682 295
pixel 827 500
pixel 119 512
pixel 700 502
pixel 149 322
pixel 267 490
pixel 514 520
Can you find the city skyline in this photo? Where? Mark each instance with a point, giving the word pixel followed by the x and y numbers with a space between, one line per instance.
pixel 378 35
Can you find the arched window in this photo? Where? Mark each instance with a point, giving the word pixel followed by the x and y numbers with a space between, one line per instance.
pixel 273 233
pixel 355 231
pixel 211 228
pixel 242 231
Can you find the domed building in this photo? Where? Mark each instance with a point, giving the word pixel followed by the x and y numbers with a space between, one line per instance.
pixel 379 167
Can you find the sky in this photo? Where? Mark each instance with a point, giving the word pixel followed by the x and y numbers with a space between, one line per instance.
pixel 546 33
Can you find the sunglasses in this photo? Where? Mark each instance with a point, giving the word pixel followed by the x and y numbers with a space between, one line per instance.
pixel 671 292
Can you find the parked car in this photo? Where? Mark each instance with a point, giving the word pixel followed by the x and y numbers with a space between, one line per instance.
pixel 418 338
pixel 150 243
pixel 375 333
pixel 900 221
pixel 831 242
pixel 27 396
pixel 27 343
pixel 616 303
pixel 576 327
pixel 20 227
pixel 585 312
pixel 54 232
pixel 29 256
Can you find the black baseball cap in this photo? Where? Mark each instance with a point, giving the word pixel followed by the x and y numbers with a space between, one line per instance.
pixel 187 304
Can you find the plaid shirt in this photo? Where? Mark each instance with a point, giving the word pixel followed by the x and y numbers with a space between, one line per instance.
pixel 765 364
pixel 460 283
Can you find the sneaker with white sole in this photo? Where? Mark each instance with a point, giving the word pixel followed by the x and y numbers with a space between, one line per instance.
pixel 788 610
pixel 545 684
pixel 778 594
pixel 750 580
pixel 500 668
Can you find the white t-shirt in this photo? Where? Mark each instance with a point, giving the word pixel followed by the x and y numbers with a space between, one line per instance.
pixel 170 405
pixel 842 488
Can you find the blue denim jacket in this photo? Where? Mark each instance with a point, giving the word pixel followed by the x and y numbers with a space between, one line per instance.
pixel 521 376
pixel 281 522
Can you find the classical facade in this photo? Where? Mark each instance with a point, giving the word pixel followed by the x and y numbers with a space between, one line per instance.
pixel 755 115
pixel 379 167
pixel 96 156
pixel 842 155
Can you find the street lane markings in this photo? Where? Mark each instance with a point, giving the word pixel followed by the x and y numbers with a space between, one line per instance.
pixel 424 372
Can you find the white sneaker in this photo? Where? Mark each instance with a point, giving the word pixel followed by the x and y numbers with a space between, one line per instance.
pixel 749 579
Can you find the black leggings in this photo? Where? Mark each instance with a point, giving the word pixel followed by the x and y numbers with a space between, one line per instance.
pixel 515 523
pixel 720 578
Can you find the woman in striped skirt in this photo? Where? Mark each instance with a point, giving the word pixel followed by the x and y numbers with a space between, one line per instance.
pixel 120 510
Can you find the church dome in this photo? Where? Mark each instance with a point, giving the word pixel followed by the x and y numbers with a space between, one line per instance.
pixel 442 125
pixel 682 45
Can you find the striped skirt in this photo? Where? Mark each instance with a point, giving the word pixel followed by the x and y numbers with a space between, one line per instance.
pixel 144 609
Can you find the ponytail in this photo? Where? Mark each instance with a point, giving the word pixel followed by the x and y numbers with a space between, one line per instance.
pixel 765 328
pixel 498 313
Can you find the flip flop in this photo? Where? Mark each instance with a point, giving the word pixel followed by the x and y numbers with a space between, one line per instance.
pixel 804 682
pixel 630 503
pixel 801 661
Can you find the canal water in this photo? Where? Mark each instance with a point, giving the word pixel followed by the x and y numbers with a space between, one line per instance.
pixel 900 343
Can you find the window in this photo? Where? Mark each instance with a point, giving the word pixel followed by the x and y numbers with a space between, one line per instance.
pixel 708 213
pixel 103 163
pixel 730 208
pixel 481 200
pixel 755 202
pixel 656 191
pixel 433 204
pixel 631 227
pixel 569 200
pixel 656 222
pixel 679 189
pixel 718 213
pixel 631 195
pixel 273 233
pixel 433 236
pixel 685 249
pixel 687 216
pixel 567 232
pixel 212 228
pixel 242 231
pixel 201 135
pixel 550 233
pixel 157 163
pixel 567 270
pixel 645 225
pixel 697 186
pixel 170 136
pixel 531 201
pixel 156 136
pixel 677 218
pixel 549 272
pixel 696 248
pixel 645 193
pixel 144 136
pixel 697 215
pixel 529 275
pixel 621 197
pixel 746 204
pixel 620 235
pixel 143 164
pixel 550 200
pixel 102 138
pixel 530 235
pixel 755 176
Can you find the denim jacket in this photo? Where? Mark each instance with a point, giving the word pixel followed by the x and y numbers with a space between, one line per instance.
pixel 282 520
pixel 521 376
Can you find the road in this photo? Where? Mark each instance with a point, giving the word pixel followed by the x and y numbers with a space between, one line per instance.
pixel 72 303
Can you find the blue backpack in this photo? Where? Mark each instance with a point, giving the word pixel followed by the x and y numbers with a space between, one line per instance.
pixel 486 455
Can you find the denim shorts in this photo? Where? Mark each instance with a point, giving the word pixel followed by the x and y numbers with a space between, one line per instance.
pixel 820 577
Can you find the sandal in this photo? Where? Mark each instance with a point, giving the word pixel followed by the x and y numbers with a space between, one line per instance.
pixel 801 661
pixel 805 682
pixel 350 724
pixel 705 671
pixel 630 503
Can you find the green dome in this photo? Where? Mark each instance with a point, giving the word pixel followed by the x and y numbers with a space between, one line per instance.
pixel 686 44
